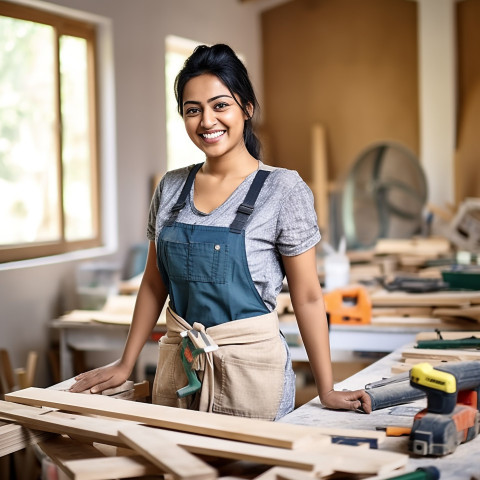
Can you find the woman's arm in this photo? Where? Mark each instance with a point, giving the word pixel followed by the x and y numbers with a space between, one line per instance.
pixel 307 301
pixel 150 301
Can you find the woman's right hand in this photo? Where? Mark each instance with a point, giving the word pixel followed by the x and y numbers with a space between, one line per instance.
pixel 101 379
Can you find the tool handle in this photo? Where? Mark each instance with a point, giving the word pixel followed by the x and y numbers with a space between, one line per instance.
pixel 422 473
pixel 393 394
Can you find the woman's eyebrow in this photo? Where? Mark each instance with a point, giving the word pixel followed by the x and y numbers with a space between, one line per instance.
pixel 208 101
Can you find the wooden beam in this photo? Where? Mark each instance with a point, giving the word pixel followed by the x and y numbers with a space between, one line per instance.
pixel 438 354
pixel 81 461
pixel 156 447
pixel 383 298
pixel 223 426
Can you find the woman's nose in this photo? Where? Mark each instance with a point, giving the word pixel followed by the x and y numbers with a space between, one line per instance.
pixel 208 119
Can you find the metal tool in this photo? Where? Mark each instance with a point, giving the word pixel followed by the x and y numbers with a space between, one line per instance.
pixel 452 413
pixel 194 343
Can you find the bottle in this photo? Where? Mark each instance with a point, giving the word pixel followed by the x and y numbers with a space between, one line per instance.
pixel 337 267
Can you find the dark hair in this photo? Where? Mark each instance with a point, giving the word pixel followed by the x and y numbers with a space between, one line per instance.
pixel 221 61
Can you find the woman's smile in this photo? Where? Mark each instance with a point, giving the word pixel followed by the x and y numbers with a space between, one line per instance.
pixel 213 136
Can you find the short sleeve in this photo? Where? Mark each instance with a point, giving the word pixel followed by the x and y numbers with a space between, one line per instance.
pixel 297 229
pixel 152 215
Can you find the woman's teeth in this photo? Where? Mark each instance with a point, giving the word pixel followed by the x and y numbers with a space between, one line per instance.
pixel 212 135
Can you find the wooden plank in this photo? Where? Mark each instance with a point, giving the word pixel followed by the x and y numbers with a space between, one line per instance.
pixel 100 430
pixel 81 461
pixel 383 298
pixel 439 354
pixel 165 454
pixel 319 184
pixel 243 451
pixel 103 468
pixel 283 473
pixel 447 335
pixel 402 311
pixel 223 426
pixel 467 312
pixel 428 247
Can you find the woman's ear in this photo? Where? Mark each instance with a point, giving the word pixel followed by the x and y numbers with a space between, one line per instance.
pixel 249 109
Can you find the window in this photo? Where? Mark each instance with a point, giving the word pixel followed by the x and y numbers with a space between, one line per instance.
pixel 181 151
pixel 49 170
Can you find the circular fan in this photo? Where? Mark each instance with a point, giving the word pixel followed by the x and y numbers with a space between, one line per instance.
pixel 384 195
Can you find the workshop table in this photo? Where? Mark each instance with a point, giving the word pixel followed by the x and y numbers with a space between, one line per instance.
pixel 463 464
pixel 95 337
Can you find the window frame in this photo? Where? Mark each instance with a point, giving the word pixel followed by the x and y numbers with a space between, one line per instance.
pixel 65 25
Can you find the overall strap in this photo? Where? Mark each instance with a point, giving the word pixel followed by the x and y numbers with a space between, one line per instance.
pixel 182 198
pixel 246 208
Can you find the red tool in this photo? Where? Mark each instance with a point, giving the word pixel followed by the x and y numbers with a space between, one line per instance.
pixel 350 305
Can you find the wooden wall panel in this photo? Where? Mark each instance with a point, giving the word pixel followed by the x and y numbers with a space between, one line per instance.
pixel 467 172
pixel 350 65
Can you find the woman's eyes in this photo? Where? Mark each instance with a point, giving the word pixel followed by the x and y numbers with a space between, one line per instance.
pixel 221 105
pixel 192 111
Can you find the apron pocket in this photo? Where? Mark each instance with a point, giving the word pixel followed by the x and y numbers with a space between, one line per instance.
pixel 170 377
pixel 246 388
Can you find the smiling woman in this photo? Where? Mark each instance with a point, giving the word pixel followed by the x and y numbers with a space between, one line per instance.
pixel 223 234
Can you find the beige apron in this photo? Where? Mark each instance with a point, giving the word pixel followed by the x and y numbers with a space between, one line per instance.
pixel 244 377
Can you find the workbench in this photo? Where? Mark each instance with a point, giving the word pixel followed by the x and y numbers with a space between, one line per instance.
pixel 98 337
pixel 463 464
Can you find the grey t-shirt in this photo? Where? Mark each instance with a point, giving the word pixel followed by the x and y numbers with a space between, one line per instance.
pixel 283 222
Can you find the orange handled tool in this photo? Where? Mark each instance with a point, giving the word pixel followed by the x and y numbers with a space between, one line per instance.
pixel 350 305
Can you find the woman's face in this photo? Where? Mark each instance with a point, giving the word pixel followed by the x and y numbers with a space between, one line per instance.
pixel 213 119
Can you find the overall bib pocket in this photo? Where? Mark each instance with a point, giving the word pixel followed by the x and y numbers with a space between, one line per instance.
pixel 197 262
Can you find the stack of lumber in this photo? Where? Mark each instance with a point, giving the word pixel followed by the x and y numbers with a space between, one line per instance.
pixel 444 310
pixel 412 356
pixel 15 437
pixel 102 438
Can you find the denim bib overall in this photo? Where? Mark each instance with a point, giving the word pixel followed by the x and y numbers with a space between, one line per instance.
pixel 205 268
pixel 206 273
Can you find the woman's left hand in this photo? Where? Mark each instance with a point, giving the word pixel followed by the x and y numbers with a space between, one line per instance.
pixel 347 400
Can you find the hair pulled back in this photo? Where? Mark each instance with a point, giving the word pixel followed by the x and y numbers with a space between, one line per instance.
pixel 221 61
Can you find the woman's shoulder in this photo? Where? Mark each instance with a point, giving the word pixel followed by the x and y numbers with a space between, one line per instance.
pixel 282 177
pixel 173 179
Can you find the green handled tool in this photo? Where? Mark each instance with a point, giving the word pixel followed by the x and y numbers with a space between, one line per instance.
pixel 423 473
pixel 194 343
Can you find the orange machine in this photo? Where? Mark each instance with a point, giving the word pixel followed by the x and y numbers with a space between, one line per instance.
pixel 349 305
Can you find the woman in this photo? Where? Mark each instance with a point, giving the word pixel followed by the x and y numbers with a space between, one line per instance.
pixel 222 236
